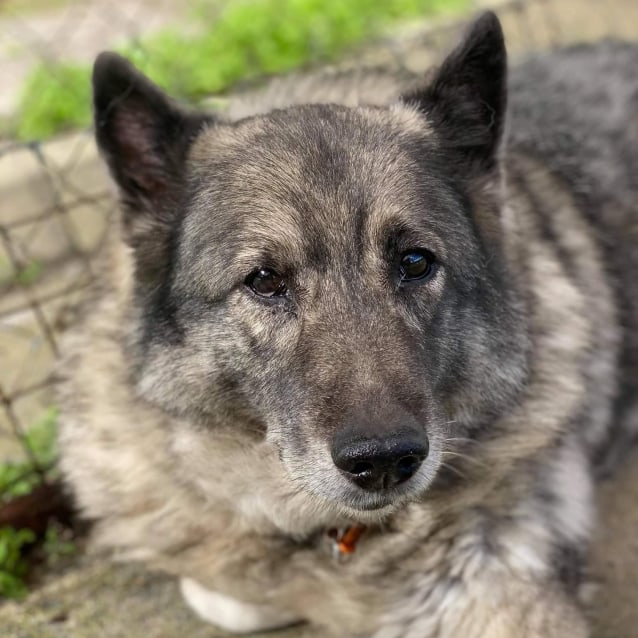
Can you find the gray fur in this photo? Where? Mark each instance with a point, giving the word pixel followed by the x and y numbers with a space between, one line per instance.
pixel 197 419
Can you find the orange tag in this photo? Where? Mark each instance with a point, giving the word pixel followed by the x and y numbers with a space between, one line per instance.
pixel 348 541
pixel 344 541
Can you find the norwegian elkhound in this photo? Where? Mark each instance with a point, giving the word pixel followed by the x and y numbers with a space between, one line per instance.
pixel 359 346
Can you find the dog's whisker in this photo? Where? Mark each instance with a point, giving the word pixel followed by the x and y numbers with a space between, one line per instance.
pixel 461 439
pixel 465 457
pixel 454 469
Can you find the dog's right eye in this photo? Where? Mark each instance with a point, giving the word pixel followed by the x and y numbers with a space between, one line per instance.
pixel 266 283
pixel 416 265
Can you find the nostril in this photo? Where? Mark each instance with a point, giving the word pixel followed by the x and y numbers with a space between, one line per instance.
pixel 406 467
pixel 362 468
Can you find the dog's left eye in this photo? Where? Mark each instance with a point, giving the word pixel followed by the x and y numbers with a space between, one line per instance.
pixel 415 265
pixel 266 283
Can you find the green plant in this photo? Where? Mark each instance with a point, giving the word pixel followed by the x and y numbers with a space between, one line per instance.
pixel 20 478
pixel 244 39
pixel 26 275
pixel 30 273
pixel 13 565
pixel 58 543
pixel 41 437
pixel 54 97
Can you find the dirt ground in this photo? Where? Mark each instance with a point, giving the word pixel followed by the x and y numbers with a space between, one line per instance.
pixel 614 557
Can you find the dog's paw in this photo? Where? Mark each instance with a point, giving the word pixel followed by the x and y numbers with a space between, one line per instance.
pixel 231 614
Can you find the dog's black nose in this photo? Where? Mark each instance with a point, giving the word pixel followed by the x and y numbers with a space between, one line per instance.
pixel 379 462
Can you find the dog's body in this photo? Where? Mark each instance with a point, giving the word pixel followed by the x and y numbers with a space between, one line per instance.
pixel 254 314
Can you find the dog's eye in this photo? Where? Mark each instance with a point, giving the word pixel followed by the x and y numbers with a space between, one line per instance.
pixel 266 283
pixel 415 265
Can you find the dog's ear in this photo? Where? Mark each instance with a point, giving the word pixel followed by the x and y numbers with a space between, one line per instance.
pixel 466 99
pixel 143 136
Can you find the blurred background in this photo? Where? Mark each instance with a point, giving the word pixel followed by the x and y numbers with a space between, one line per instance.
pixel 56 200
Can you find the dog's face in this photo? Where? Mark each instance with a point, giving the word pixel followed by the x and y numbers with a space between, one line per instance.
pixel 330 277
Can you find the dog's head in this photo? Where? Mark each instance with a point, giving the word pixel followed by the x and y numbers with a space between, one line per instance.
pixel 333 276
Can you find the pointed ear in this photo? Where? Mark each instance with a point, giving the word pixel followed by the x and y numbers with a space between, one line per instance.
pixel 143 136
pixel 466 100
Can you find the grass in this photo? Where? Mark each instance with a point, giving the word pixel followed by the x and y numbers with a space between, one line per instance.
pixel 246 39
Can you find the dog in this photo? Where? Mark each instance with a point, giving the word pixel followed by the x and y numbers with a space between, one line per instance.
pixel 358 346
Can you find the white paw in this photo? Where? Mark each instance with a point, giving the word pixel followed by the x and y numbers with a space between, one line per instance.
pixel 230 614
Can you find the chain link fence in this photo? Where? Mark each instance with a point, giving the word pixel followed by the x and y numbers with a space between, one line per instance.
pixel 55 198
